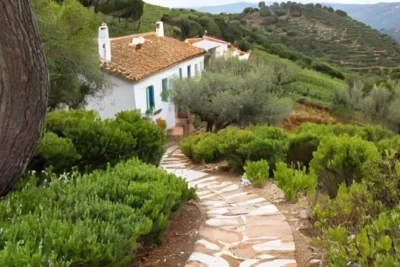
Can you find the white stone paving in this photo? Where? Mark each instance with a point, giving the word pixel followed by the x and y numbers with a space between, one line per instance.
pixel 242 229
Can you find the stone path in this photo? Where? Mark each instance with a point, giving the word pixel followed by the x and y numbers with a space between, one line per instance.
pixel 242 229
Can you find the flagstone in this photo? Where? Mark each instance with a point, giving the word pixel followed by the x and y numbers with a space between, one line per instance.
pixel 208 196
pixel 218 211
pixel 203 192
pixel 200 181
pixel 206 185
pixel 276 245
pixel 262 220
pixel 248 263
pixel 215 234
pixel 265 210
pixel 228 188
pixel 208 245
pixel 274 229
pixel 241 228
pixel 277 263
pixel 229 221
pixel 208 260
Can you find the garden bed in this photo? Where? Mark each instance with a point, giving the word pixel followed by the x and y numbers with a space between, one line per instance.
pixel 178 243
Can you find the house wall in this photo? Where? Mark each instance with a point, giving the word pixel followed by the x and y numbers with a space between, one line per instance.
pixel 221 50
pixel 119 98
pixel 168 109
pixel 126 95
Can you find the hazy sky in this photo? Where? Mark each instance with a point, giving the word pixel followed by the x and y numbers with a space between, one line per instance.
pixel 200 3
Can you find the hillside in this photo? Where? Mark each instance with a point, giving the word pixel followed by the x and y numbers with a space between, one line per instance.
pixel 229 8
pixel 306 29
pixel 394 33
pixel 378 16
pixel 331 36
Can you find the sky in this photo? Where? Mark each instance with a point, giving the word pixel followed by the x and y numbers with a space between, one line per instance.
pixel 201 3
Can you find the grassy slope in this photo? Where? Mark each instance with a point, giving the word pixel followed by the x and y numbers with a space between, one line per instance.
pixel 310 85
pixel 151 15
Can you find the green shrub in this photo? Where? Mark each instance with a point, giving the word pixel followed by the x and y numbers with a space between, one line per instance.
pixel 87 220
pixel 328 69
pixel 342 159
pixel 383 179
pixel 377 244
pixel 207 148
pixel 301 148
pixel 236 146
pixel 351 208
pixel 257 172
pixel 150 139
pixel 57 152
pixel 187 144
pixel 294 181
pixel 100 142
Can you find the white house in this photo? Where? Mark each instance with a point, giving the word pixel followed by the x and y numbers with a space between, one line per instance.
pixel 218 47
pixel 139 68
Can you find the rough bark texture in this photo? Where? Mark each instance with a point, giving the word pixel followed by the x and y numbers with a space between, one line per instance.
pixel 23 90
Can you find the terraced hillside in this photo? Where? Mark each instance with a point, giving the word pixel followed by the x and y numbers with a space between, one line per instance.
pixel 333 37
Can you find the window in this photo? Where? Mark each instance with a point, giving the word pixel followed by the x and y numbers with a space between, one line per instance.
pixel 164 92
pixel 151 105
pixel 196 68
pixel 201 65
pixel 188 71
pixel 180 73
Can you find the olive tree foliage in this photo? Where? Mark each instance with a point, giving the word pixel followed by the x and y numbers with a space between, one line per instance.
pixel 68 34
pixel 380 105
pixel 127 9
pixel 234 91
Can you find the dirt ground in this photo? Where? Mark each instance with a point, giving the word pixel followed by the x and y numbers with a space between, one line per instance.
pixel 178 242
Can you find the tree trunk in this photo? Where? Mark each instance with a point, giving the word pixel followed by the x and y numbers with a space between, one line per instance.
pixel 23 90
pixel 209 126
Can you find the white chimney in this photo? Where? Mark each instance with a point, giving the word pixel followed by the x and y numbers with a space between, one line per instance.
pixel 160 29
pixel 104 43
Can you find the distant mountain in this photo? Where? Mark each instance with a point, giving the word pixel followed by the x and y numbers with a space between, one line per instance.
pixel 229 9
pixel 395 33
pixel 378 16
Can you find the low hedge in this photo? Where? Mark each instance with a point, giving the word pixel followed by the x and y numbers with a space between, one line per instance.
pixel 238 146
pixel 80 138
pixel 87 220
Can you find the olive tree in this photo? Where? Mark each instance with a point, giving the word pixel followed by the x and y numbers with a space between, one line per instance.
pixel 233 91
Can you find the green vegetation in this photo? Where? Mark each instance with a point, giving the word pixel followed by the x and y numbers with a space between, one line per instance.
pixel 80 138
pixel 307 84
pixel 89 199
pixel 257 172
pixel 294 181
pixel 87 220
pixel 378 105
pixel 68 34
pixel 234 91
pixel 350 173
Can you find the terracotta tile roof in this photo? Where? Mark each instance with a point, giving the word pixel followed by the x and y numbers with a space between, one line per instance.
pixel 195 40
pixel 156 54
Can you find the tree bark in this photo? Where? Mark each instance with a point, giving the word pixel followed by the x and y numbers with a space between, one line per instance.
pixel 209 126
pixel 23 90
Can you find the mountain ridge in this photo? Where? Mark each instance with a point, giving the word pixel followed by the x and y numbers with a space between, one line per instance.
pixel 228 8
